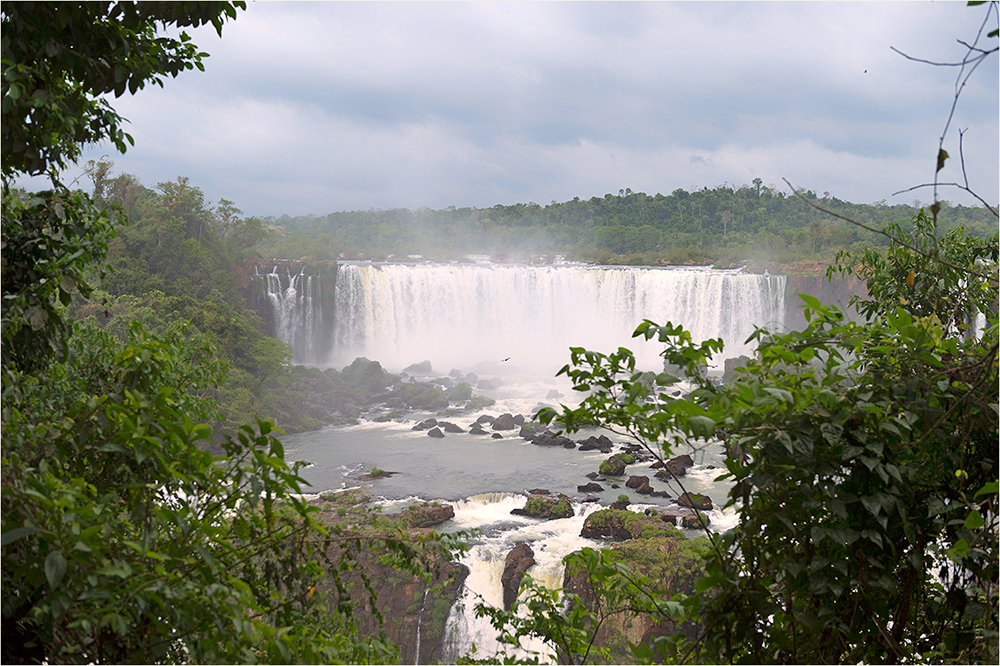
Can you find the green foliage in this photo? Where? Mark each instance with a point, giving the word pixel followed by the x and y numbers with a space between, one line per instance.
pixel 50 240
pixel 60 60
pixel 867 494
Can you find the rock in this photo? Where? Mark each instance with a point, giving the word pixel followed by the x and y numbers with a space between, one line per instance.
pixel 621 525
pixel 659 493
pixel 497 435
pixel 520 558
pixel 679 465
pixel 637 481
pixel 423 368
pixel 695 501
pixel 613 466
pixel 590 499
pixel 645 488
pixel 427 514
pixel 519 419
pixel 485 418
pixel 450 427
pixel 425 425
pixel 590 488
pixel 480 402
pixel 436 433
pixel 730 365
pixel 686 517
pixel 593 476
pixel 485 385
pixel 456 373
pixel 539 491
pixel 548 438
pixel 546 507
pixel 553 395
pixel 477 429
pixel 529 430
pixel 594 443
pixel 504 422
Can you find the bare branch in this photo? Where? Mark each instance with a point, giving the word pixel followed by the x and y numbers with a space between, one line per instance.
pixel 958 185
pixel 880 232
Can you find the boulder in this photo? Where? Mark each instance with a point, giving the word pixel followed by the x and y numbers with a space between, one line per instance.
pixel 425 425
pixel 549 438
pixel 594 443
pixel 423 368
pixel 485 418
pixel 519 559
pixel 519 419
pixel 529 430
pixel 590 488
pixel 637 481
pixel 546 507
pixel 436 433
pixel 590 499
pixel 683 517
pixel 477 429
pixel 695 501
pixel 613 466
pixel 539 491
pixel 621 525
pixel 461 391
pixel 497 435
pixel 679 465
pixel 427 514
pixel 449 427
pixel 504 422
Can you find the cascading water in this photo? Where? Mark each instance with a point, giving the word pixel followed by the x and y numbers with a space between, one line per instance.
pixel 460 315
pixel 457 316
pixel 297 319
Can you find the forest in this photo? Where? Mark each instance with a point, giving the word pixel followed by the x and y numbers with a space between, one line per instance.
pixel 728 225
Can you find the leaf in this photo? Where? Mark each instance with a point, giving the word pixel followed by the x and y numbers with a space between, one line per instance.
pixel 701 426
pixel 55 568
pixel 10 536
pixel 942 156
pixel 975 520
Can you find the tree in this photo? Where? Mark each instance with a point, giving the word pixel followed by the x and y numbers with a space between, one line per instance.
pixel 59 59
pixel 124 539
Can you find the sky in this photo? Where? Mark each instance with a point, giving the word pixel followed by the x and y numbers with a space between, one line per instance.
pixel 317 107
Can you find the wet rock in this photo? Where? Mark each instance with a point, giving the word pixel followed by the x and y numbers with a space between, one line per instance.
pixel 519 419
pixel 695 501
pixel 450 427
pixel 637 481
pixel 679 465
pixel 590 488
pixel 504 422
pixel 539 491
pixel 519 559
pixel 683 517
pixel 613 466
pixel 436 433
pixel 425 425
pixel 594 443
pixel 485 418
pixel 621 525
pixel 423 368
pixel 497 435
pixel 589 499
pixel 546 507
pixel 477 429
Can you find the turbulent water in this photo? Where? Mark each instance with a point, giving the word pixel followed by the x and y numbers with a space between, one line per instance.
pixel 483 479
pixel 517 322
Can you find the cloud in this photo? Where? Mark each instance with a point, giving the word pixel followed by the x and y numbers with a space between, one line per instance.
pixel 314 107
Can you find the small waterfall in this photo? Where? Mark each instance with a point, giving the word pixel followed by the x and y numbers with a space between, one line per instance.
pixel 420 617
pixel 297 318
pixel 460 315
pixel 499 532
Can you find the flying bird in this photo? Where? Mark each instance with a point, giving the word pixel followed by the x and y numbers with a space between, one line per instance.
pixel 505 360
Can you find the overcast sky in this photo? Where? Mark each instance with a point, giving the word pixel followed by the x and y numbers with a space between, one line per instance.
pixel 315 107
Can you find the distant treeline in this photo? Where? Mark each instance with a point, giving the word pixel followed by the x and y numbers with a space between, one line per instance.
pixel 722 225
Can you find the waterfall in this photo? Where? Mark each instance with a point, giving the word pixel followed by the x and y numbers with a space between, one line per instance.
pixel 460 315
pixel 297 319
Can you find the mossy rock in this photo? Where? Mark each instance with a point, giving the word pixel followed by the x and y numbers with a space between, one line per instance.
pixel 546 507
pixel 613 466
pixel 621 525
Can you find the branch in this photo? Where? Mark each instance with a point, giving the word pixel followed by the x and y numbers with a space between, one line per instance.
pixel 886 234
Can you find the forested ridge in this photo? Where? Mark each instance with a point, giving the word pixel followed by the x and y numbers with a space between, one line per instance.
pixel 724 225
